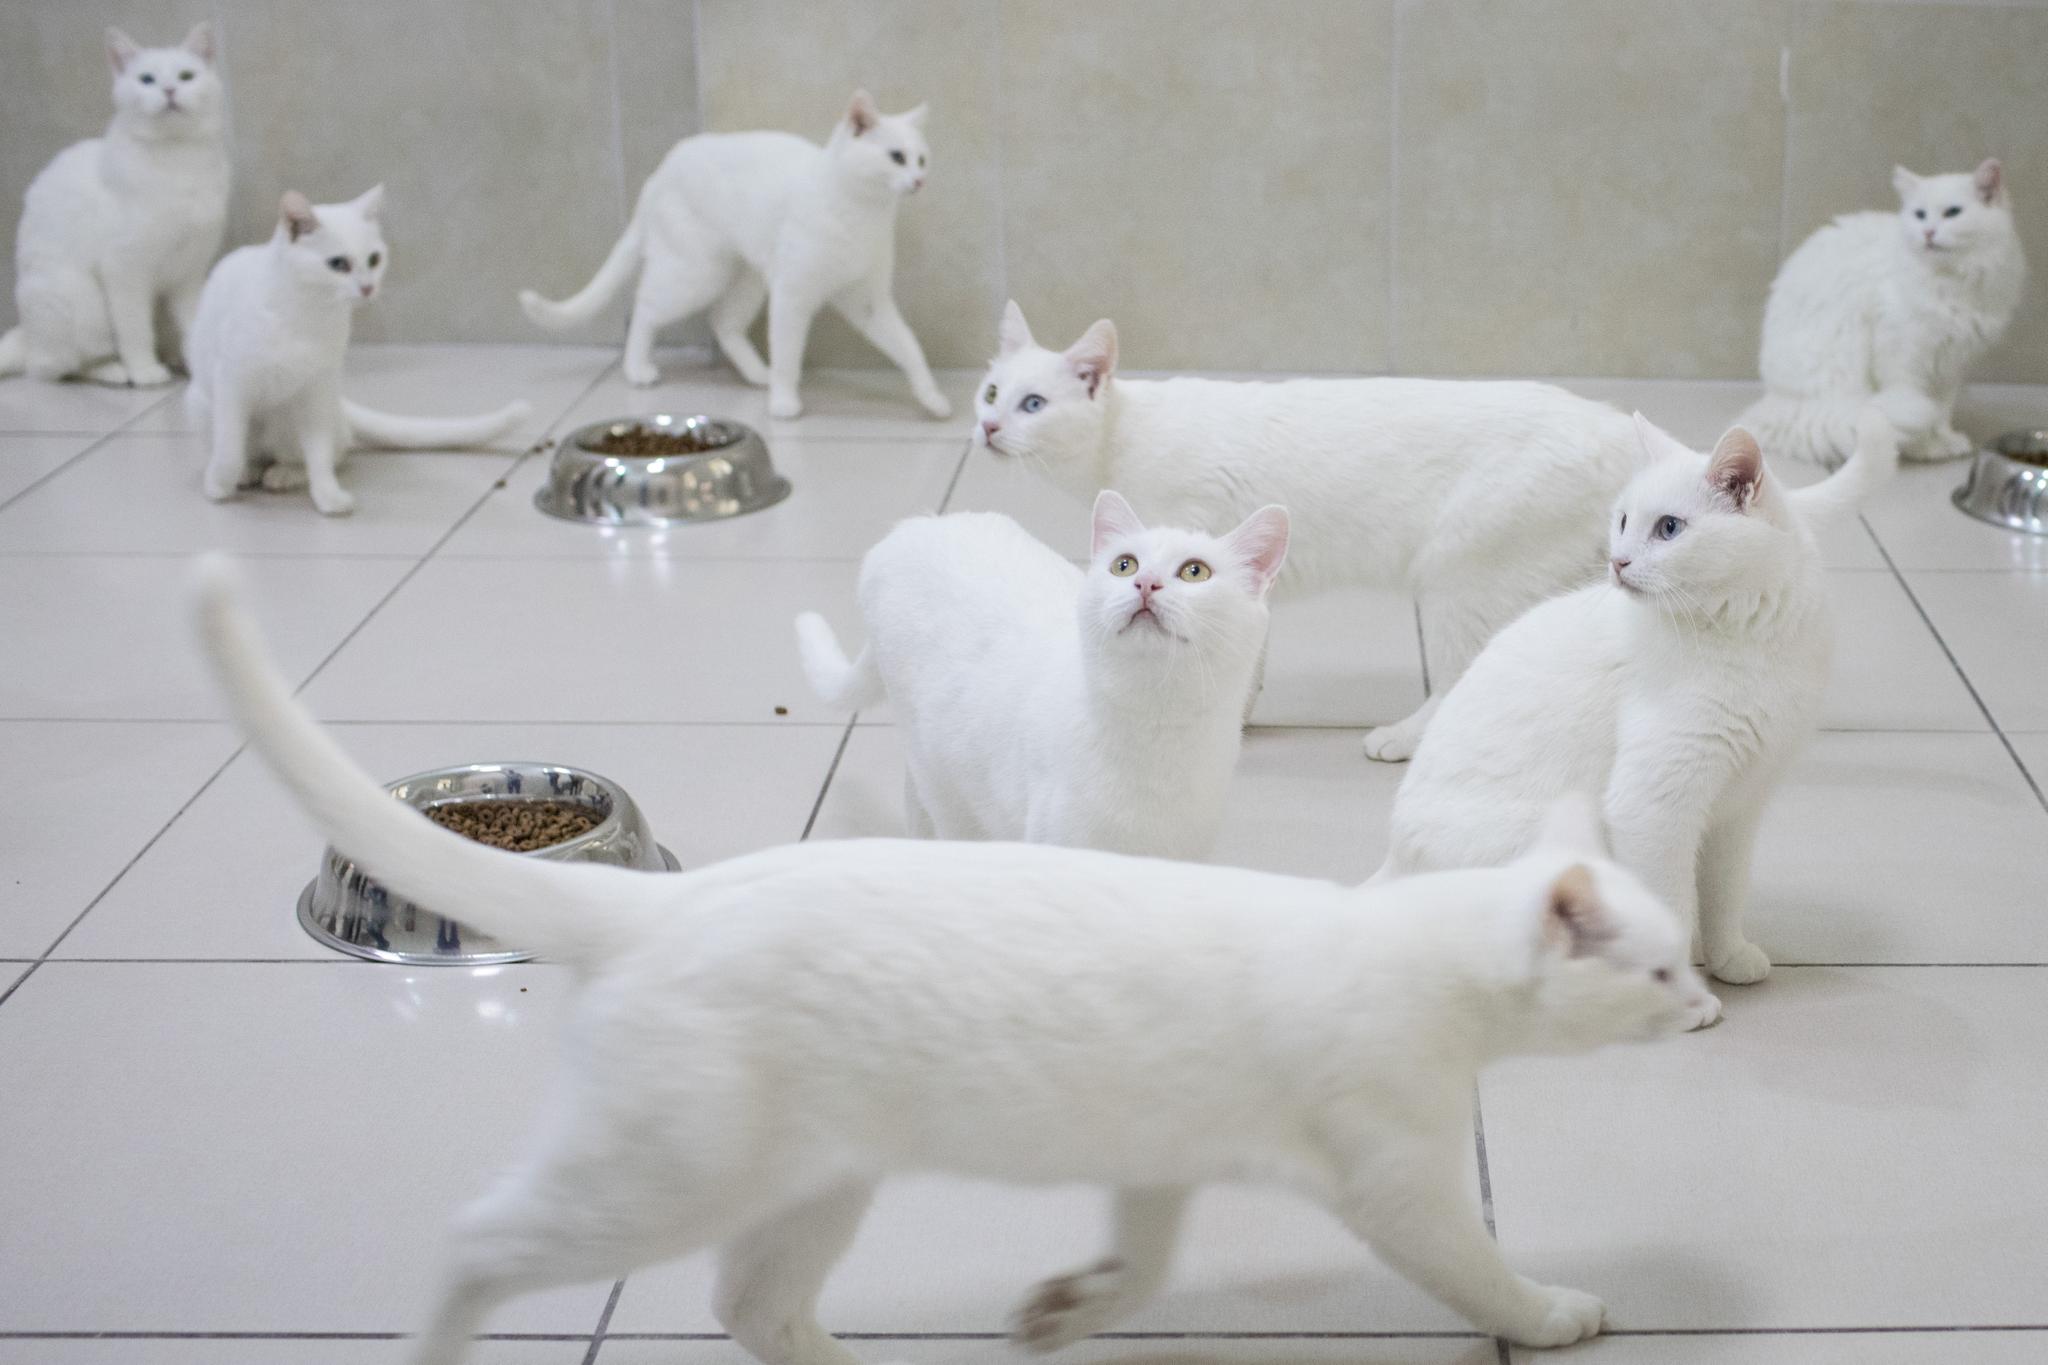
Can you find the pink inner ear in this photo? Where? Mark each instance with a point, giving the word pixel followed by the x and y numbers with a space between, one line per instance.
pixel 1262 540
pixel 1113 518
pixel 1737 468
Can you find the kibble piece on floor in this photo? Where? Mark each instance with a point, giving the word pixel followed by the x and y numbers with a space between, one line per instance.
pixel 517 826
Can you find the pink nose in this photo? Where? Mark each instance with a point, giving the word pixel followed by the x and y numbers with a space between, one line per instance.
pixel 1928 233
pixel 1146 587
pixel 991 428
pixel 1619 564
pixel 368 289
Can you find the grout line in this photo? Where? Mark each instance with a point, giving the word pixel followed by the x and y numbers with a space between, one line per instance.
pixel 1485 1172
pixel 1929 1329
pixel 946 499
pixel 604 1320
pixel 1422 648
pixel 830 773
pixel 16 984
pixel 92 445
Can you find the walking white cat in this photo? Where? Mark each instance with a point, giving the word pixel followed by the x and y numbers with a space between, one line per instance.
pixel 267 352
pixel 1891 308
pixel 1482 498
pixel 730 220
pixel 1098 710
pixel 760 1042
pixel 1681 689
pixel 117 227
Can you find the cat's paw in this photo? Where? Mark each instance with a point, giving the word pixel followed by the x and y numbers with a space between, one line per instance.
pixel 1066 1308
pixel 1569 1315
pixel 784 406
pixel 149 376
pixel 1705 1015
pixel 935 403
pixel 284 478
pixel 1391 743
pixel 1743 967
pixel 218 488
pixel 338 503
pixel 1950 444
pixel 641 374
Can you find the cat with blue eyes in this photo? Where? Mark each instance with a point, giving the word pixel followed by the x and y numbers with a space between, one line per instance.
pixel 1679 688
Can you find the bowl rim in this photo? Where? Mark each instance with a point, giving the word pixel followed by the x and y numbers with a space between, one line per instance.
pixel 736 433
pixel 614 793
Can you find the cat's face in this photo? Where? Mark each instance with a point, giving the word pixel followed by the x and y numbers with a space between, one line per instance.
pixel 1158 592
pixel 335 249
pixel 885 149
pixel 1045 405
pixel 166 88
pixel 1947 216
pixel 1696 533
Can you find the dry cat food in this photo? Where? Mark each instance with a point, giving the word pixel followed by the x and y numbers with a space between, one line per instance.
pixel 517 826
pixel 647 441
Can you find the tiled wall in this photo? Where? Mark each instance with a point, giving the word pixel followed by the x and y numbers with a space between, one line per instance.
pixel 1558 187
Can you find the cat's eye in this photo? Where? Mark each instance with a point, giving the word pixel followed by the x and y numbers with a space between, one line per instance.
pixel 338 264
pixel 1919 213
pixel 375 257
pixel 1669 527
pixel 146 78
pixel 1123 566
pixel 988 395
pixel 1662 974
pixel 1952 211
pixel 897 157
pixel 1194 571
pixel 920 163
pixel 1624 522
pixel 184 75
pixel 1032 403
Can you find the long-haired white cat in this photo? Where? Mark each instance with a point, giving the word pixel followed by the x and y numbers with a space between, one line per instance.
pixel 1481 498
pixel 119 226
pixel 1041 703
pixel 1680 689
pixel 730 220
pixel 760 1042
pixel 1892 308
pixel 267 352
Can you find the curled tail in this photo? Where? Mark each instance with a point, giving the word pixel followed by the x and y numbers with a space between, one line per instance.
pixel 579 912
pixel 1876 457
pixel 837 682
pixel 432 433
pixel 1822 430
pixel 586 303
pixel 13 352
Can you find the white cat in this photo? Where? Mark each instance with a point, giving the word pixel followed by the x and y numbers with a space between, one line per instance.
pixel 1891 306
pixel 729 220
pixel 1098 710
pixel 117 226
pixel 1481 498
pixel 1681 689
pixel 760 1042
pixel 267 353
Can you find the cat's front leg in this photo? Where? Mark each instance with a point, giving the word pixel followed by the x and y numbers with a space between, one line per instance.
pixel 131 307
pixel 1665 785
pixel 790 310
pixel 1066 1308
pixel 319 444
pixel 227 466
pixel 874 314
pixel 1725 857
pixel 184 306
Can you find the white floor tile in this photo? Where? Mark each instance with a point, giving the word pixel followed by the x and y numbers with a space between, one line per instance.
pixel 1848 1148
pixel 2033 751
pixel 271 1351
pixel 1889 670
pixel 1350 657
pixel 1308 803
pixel 113 640
pixel 23 460
pixel 1921 529
pixel 995 483
pixel 859 403
pixel 31 405
pixel 1847 1348
pixel 295 1139
pixel 865 800
pixel 1997 626
pixel 88 796
pixel 1168 1351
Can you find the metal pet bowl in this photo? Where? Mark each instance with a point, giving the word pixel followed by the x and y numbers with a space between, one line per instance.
pixel 593 480
pixel 2008 484
pixel 344 909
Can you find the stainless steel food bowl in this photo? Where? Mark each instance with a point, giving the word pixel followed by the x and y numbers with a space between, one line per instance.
pixel 2008 484
pixel 732 477
pixel 345 909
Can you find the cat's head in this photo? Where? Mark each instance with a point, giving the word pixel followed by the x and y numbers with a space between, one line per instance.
pixel 1046 406
pixel 166 91
pixel 1946 217
pixel 881 149
pixel 335 249
pixel 1162 595
pixel 1696 534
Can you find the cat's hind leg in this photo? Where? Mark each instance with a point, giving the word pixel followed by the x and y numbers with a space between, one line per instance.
pixel 131 305
pixel 319 435
pixel 1066 1308
pixel 872 310
pixel 733 315
pixel 1456 624
pixel 227 465
pixel 683 275
pixel 791 306
pixel 917 820
pixel 770 1276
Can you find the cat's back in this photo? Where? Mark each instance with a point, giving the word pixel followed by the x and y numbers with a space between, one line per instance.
pixel 738 184
pixel 964 585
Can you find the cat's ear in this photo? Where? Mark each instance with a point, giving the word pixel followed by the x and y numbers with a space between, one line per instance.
pixel 199 42
pixel 121 50
pixel 296 214
pixel 1113 518
pixel 915 118
pixel 1736 469
pixel 1650 441
pixel 1989 179
pixel 1262 539
pixel 369 203
pixel 1573 824
pixel 1094 355
pixel 1575 921
pixel 1904 181
pixel 1013 333
pixel 861 114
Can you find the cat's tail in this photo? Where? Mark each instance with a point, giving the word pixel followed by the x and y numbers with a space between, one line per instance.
pixel 433 433
pixel 576 912
pixel 1842 492
pixel 13 352
pixel 849 686
pixel 587 302
pixel 1820 430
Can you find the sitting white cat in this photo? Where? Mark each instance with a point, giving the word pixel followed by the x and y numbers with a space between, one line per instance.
pixel 1482 498
pixel 267 352
pixel 118 226
pixel 1890 308
pixel 1099 709
pixel 1681 690
pixel 729 220
pixel 762 1041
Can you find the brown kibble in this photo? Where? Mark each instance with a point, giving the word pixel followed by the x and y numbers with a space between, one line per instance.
pixel 517 826
pixel 638 440
pixel 782 710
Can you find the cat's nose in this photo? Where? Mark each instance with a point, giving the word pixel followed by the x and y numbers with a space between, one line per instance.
pixel 1148 586
pixel 1619 564
pixel 368 289
pixel 989 429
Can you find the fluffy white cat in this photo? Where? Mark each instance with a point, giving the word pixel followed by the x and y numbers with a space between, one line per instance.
pixel 118 226
pixel 267 352
pixel 1891 308
pixel 730 220
pixel 1041 703
pixel 1481 498
pixel 759 1042
pixel 1680 689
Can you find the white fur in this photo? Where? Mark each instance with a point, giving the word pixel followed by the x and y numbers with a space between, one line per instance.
pixel 1680 690
pixel 267 352
pixel 1481 498
pixel 1039 703
pixel 119 226
pixel 730 220
pixel 1891 307
pixel 761 1041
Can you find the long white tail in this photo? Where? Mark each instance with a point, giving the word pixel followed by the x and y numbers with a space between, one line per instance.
pixel 1822 430
pixel 13 352
pixel 432 433
pixel 585 304
pixel 837 682
pixel 576 912
pixel 1842 492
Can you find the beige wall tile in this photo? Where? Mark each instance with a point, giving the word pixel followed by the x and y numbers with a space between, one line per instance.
pixel 657 75
pixel 1210 175
pixel 1586 186
pixel 1936 88
pixel 791 64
